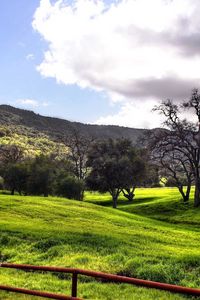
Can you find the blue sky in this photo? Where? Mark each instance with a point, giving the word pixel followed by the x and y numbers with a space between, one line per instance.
pixel 104 62
pixel 21 50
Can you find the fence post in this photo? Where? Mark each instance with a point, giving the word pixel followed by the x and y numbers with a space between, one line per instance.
pixel 74 284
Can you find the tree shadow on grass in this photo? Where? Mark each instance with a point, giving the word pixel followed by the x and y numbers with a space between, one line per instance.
pixel 121 201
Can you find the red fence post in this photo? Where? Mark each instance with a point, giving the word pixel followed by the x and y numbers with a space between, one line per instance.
pixel 74 284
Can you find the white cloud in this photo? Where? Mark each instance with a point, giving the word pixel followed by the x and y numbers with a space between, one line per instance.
pixel 31 103
pixel 128 49
pixel 138 115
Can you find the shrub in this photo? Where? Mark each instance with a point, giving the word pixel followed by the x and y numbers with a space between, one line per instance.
pixel 69 187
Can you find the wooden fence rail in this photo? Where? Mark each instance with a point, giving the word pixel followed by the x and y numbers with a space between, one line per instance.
pixel 108 277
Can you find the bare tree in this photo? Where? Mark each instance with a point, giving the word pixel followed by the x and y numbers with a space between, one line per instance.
pixel 79 146
pixel 183 136
pixel 172 163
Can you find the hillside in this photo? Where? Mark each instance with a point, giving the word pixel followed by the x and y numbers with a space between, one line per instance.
pixel 62 232
pixel 163 204
pixel 55 127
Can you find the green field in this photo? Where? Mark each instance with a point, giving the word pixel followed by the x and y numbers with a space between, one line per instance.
pixel 157 238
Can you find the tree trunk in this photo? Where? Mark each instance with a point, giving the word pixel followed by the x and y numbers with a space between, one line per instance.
pixel 12 191
pixel 130 194
pixel 82 192
pixel 114 198
pixel 130 197
pixel 82 195
pixel 115 192
pixel 187 194
pixel 185 199
pixel 197 194
pixel 180 188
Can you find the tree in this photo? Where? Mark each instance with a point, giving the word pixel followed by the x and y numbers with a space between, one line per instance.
pixel 68 186
pixel 183 136
pixel 151 178
pixel 15 177
pixel 42 175
pixel 79 146
pixel 133 170
pixel 172 164
pixel 112 168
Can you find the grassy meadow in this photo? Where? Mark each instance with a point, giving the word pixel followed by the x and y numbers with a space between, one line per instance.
pixel 156 237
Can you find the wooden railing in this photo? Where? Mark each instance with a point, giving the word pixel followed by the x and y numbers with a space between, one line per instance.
pixel 105 276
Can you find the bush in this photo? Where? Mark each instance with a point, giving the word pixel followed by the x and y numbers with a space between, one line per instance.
pixel 69 187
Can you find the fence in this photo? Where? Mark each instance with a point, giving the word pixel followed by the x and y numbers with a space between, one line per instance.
pixel 105 276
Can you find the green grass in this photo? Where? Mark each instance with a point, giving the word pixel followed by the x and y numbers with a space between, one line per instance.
pixel 163 204
pixel 135 240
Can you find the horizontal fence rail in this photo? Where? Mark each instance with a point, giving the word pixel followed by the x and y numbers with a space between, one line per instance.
pixel 109 277
pixel 37 293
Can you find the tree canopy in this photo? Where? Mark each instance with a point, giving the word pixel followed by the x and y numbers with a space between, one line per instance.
pixel 115 167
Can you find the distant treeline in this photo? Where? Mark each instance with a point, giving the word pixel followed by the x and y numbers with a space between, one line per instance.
pixel 113 166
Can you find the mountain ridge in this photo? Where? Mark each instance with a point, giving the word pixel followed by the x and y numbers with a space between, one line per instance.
pixel 56 127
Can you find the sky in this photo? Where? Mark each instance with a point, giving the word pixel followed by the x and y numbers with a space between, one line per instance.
pixel 95 61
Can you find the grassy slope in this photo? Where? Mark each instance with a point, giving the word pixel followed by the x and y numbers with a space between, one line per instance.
pixel 163 204
pixel 57 232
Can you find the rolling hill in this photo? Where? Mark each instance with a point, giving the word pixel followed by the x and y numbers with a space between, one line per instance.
pixel 61 232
